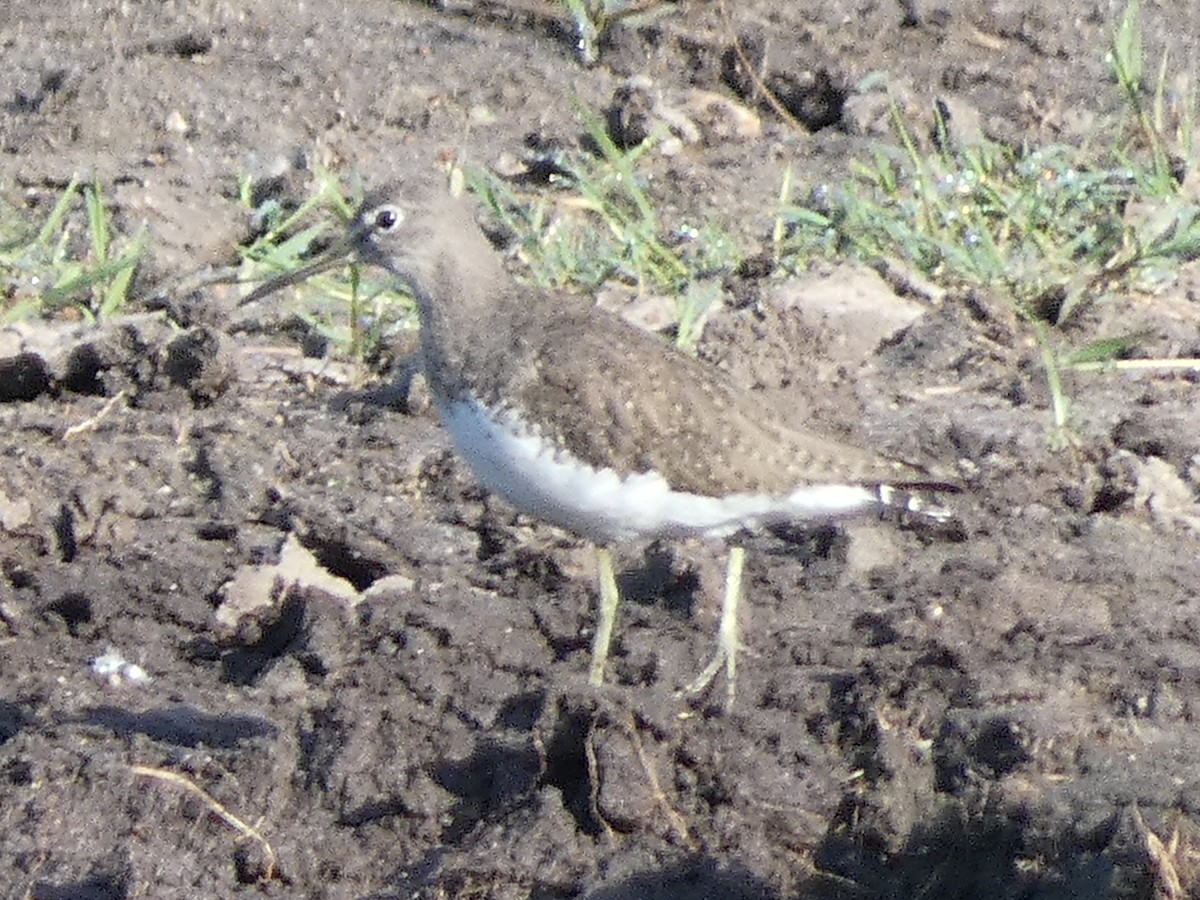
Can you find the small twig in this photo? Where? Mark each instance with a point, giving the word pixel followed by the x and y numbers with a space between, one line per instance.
pixel 755 78
pixel 1192 365
pixel 677 820
pixel 217 808
pixel 593 766
pixel 91 424
pixel 1163 859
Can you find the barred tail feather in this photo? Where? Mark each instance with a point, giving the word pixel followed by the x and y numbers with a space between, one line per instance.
pixel 916 506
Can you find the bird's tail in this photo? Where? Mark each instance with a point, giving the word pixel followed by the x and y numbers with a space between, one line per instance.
pixel 915 505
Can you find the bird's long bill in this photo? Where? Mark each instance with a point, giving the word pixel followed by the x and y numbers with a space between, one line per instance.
pixel 338 253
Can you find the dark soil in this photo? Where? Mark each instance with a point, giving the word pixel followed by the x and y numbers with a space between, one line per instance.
pixel 364 678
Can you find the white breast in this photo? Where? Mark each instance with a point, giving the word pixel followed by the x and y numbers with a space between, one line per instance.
pixel 602 506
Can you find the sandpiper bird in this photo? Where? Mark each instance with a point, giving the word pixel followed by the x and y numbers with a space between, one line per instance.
pixel 581 420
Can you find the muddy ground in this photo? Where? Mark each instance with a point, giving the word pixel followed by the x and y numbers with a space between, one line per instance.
pixel 362 678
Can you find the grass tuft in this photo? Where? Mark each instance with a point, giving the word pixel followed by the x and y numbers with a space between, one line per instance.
pixel 54 270
pixel 592 20
pixel 357 313
pixel 600 222
pixel 1057 229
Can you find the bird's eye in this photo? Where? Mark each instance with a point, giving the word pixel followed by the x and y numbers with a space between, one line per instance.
pixel 387 218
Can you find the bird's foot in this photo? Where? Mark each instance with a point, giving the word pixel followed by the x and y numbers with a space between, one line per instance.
pixel 728 644
pixel 726 657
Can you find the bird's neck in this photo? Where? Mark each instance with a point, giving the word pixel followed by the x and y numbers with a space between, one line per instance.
pixel 462 319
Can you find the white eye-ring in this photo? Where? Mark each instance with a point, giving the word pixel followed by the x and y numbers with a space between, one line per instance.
pixel 385 218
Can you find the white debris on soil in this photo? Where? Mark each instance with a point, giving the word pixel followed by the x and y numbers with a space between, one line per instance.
pixel 114 670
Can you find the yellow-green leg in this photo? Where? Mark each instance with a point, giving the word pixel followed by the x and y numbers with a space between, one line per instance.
pixel 610 599
pixel 727 634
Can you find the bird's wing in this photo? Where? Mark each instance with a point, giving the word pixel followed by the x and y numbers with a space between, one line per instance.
pixel 617 397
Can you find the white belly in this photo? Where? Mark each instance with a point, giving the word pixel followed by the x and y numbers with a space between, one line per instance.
pixel 604 507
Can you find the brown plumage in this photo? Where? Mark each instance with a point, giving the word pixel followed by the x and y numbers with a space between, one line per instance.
pixel 585 421
pixel 610 394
